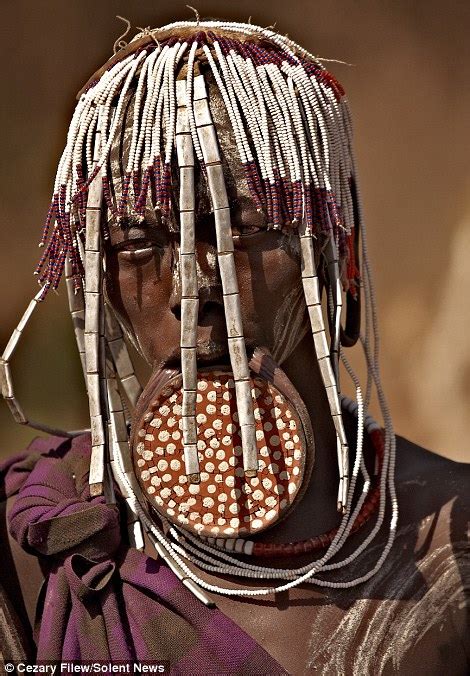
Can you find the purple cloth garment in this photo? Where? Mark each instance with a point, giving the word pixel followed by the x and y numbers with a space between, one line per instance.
pixel 101 599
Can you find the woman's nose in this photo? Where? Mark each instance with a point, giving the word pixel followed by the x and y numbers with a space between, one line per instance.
pixel 211 304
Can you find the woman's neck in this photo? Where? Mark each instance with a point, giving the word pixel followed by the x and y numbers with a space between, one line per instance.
pixel 316 511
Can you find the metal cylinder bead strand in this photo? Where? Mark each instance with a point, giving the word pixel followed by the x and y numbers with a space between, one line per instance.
pixel 238 358
pixel 93 310
pixel 313 300
pixel 188 280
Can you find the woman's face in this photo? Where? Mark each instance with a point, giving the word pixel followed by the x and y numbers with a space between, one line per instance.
pixel 143 286
pixel 143 274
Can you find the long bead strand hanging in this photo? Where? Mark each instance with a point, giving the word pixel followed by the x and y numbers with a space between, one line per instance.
pixel 93 318
pixel 188 280
pixel 225 256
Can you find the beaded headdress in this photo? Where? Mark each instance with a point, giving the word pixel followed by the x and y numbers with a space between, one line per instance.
pixel 292 129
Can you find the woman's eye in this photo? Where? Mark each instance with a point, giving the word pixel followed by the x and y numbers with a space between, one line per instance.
pixel 244 230
pixel 138 250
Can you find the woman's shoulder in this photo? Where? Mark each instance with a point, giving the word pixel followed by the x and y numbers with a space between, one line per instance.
pixel 428 481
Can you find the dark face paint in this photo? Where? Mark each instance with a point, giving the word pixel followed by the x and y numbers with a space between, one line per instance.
pixel 143 285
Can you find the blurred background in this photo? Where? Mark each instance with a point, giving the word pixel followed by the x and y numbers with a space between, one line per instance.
pixel 410 99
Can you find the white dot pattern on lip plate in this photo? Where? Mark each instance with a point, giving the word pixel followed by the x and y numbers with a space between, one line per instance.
pixel 225 502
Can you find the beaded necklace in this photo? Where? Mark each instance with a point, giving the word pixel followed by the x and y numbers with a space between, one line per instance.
pixel 318 542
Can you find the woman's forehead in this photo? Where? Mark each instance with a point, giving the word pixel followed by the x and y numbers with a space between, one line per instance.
pixel 243 208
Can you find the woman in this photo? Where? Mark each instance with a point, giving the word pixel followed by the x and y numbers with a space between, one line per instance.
pixel 205 203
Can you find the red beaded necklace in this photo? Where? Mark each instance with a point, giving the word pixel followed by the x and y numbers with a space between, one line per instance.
pixel 274 550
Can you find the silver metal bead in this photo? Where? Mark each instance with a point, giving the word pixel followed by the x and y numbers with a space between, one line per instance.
pixel 11 345
pixel 333 400
pixel 92 312
pixel 217 188
pixel 209 144
pixel 96 476
pixel 114 396
pixel 238 358
pixel 27 315
pixel 16 411
pixel 311 290
pixel 199 88
pixel 321 345
pixel 189 430
pixel 118 426
pixel 91 341
pixel 202 113
pixel 78 320
pixel 112 327
pixel 182 122
pixel 189 403
pixel 316 318
pixel 339 428
pixel 189 368
pixel 326 371
pixel 6 380
pixel 185 150
pixel 228 274
pixel 189 320
pixel 121 357
pixel 93 271
pixel 244 402
pixel 97 430
pixel 223 229
pixel 180 93
pixel 188 276
pixel 76 300
pixel 250 449
pixel 93 390
pixel 187 243
pixel 132 388
pixel 233 316
pixel 191 462
pixel 186 197
pixel 308 266
pixel 93 216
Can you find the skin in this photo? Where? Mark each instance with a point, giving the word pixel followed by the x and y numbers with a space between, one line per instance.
pixel 411 617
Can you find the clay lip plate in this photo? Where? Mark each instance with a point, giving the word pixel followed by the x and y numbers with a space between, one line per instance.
pixel 225 503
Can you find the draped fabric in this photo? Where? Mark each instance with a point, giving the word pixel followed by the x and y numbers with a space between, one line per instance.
pixel 102 600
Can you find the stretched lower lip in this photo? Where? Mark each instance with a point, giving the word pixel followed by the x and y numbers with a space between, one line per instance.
pixel 208 354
